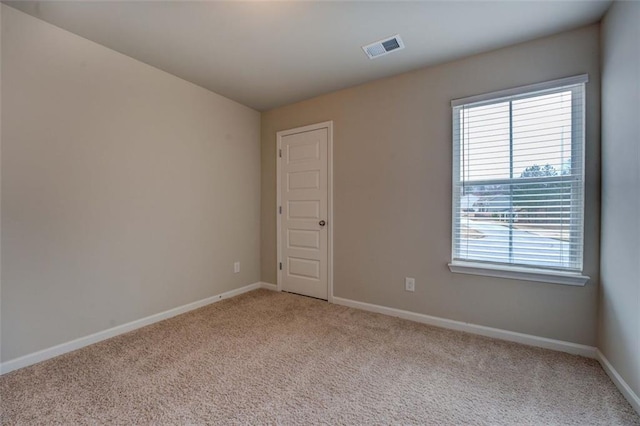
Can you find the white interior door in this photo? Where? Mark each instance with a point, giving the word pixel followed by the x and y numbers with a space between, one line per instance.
pixel 304 225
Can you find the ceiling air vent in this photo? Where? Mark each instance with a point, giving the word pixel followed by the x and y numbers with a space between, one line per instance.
pixel 383 47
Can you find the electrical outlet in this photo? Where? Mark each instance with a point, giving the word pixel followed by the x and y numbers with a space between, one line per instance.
pixel 410 284
pixel 236 267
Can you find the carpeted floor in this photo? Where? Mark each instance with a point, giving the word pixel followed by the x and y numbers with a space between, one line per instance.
pixel 277 358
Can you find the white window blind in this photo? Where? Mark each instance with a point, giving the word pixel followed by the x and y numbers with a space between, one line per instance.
pixel 518 177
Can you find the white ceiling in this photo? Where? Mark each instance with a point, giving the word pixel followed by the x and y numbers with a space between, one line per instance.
pixel 270 53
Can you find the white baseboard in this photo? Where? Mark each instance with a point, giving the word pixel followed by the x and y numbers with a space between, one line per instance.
pixel 81 342
pixel 268 286
pixel 511 336
pixel 617 379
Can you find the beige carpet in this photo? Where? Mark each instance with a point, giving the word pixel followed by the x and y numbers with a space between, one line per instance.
pixel 277 358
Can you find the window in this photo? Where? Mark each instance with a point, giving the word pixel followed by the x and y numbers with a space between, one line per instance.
pixel 518 182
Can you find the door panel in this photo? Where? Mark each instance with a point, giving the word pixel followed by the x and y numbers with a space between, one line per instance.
pixel 304 180
pixel 298 210
pixel 305 268
pixel 304 200
pixel 303 239
pixel 302 152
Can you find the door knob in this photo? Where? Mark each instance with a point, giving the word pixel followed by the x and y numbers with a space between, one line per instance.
pixel 322 223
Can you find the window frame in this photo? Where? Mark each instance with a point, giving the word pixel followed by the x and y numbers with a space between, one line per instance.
pixel 565 276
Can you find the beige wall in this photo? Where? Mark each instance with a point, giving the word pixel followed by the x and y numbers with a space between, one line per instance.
pixel 619 333
pixel 392 190
pixel 1 9
pixel 125 190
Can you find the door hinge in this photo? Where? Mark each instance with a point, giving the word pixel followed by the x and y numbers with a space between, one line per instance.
pixel 280 209
pixel 280 153
pixel 281 266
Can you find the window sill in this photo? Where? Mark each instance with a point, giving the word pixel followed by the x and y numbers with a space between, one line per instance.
pixel 517 273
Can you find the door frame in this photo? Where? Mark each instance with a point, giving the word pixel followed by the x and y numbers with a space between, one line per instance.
pixel 324 125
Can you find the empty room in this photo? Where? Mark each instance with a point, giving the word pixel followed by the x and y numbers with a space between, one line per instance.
pixel 320 212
